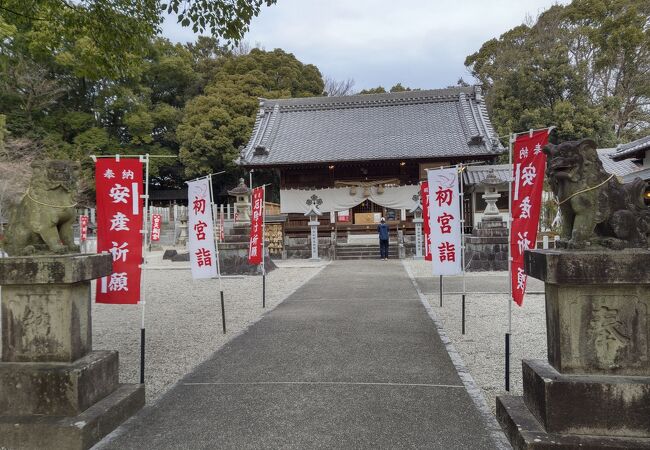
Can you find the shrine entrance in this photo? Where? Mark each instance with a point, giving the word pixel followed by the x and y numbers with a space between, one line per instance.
pixel 369 213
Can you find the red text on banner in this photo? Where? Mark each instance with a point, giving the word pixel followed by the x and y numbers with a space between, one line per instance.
pixel 83 228
pixel 444 221
pixel 119 227
pixel 203 254
pixel 528 165
pixel 424 198
pixel 156 225
pixel 255 245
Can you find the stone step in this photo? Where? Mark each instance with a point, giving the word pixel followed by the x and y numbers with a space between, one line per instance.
pixel 352 257
pixel 362 247
pixel 363 252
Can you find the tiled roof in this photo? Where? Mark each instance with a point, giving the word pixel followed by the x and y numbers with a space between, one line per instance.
pixel 632 149
pixel 476 174
pixel 416 124
pixel 644 174
pixel 616 167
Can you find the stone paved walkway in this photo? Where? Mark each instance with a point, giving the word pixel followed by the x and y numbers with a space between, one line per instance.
pixel 350 360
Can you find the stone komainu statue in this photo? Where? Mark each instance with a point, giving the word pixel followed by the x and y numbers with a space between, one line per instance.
pixel 596 208
pixel 42 222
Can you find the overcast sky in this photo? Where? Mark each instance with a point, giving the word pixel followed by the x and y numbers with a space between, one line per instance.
pixel 419 43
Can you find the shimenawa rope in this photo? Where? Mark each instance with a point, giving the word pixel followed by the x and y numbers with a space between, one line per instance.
pixel 584 190
pixel 47 204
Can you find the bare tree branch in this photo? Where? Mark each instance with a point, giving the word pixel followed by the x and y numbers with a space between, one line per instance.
pixel 336 88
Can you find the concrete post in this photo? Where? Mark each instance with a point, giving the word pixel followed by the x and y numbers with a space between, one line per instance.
pixel 401 251
pixel 418 221
pixel 313 224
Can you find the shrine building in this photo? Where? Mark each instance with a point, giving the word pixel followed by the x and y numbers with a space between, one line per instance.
pixel 355 159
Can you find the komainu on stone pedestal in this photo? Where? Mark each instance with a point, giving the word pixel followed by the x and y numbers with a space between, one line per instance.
pixel 596 208
pixel 42 222
pixel 594 390
pixel 55 391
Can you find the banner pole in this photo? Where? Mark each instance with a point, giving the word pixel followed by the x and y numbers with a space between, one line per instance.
pixel 441 291
pixel 216 246
pixel 510 299
pixel 143 286
pixel 263 246
pixel 462 243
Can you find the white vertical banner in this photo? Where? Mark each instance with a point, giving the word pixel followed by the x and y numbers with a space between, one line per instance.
pixel 200 229
pixel 444 221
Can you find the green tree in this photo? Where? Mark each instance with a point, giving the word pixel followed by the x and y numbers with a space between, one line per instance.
pixel 215 125
pixel 584 67
pixel 110 35
pixel 377 90
pixel 380 89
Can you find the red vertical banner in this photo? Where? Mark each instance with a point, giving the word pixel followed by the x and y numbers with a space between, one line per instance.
pixel 156 224
pixel 426 228
pixel 119 186
pixel 83 228
pixel 257 225
pixel 528 165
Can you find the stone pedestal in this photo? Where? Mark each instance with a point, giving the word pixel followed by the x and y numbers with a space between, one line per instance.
pixel 594 391
pixel 487 247
pixel 55 392
pixel 233 253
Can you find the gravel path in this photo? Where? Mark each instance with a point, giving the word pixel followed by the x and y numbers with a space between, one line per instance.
pixel 482 347
pixel 183 318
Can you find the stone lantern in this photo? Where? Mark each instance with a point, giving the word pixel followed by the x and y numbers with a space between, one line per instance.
pixel 243 203
pixel 490 184
pixel 183 236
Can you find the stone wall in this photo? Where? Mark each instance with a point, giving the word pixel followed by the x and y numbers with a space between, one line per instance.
pixel 487 247
pixel 300 247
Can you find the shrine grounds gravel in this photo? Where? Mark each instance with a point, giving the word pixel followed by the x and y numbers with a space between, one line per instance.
pixel 183 318
pixel 482 346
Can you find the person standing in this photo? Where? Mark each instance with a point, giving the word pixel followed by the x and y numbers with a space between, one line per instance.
pixel 382 229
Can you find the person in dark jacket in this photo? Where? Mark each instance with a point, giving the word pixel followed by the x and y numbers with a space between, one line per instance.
pixel 382 229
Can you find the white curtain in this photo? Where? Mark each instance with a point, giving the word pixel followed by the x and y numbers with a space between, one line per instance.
pixel 340 199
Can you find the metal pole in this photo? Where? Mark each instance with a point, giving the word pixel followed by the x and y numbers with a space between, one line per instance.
pixel 462 241
pixel 143 290
pixel 206 176
pixel 508 362
pixel 463 316
pixel 441 291
pixel 94 157
pixel 507 342
pixel 216 246
pixel 263 244
pixel 223 311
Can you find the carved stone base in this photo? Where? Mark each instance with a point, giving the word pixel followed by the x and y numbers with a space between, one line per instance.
pixel 57 389
pixel 46 306
pixel 525 433
pixel 594 392
pixel 597 309
pixel 72 433
pixel 587 404
pixel 55 392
